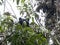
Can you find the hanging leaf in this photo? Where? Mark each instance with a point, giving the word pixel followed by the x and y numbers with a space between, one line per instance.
pixel 0 3
pixel 1 30
pixel 13 0
pixel 17 1
pixel 2 0
pixel 32 19
pixel 7 13
pixel 22 1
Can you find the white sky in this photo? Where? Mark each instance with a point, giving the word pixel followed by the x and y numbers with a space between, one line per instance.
pixel 8 8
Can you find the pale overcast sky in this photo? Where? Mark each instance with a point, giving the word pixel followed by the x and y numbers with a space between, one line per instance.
pixel 8 8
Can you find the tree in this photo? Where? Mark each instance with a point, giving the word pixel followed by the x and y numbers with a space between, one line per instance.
pixel 19 35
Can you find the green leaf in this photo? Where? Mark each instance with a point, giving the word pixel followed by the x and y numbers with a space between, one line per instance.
pixel 18 27
pixel 17 1
pixel 0 27
pixel 7 13
pixel 22 1
pixel 28 29
pixel 32 19
pixel 1 30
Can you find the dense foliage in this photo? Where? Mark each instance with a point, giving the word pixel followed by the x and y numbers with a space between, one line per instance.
pixel 17 34
pixel 33 34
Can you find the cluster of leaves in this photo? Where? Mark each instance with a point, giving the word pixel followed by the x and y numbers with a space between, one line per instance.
pixel 25 7
pixel 26 36
pixel 21 35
